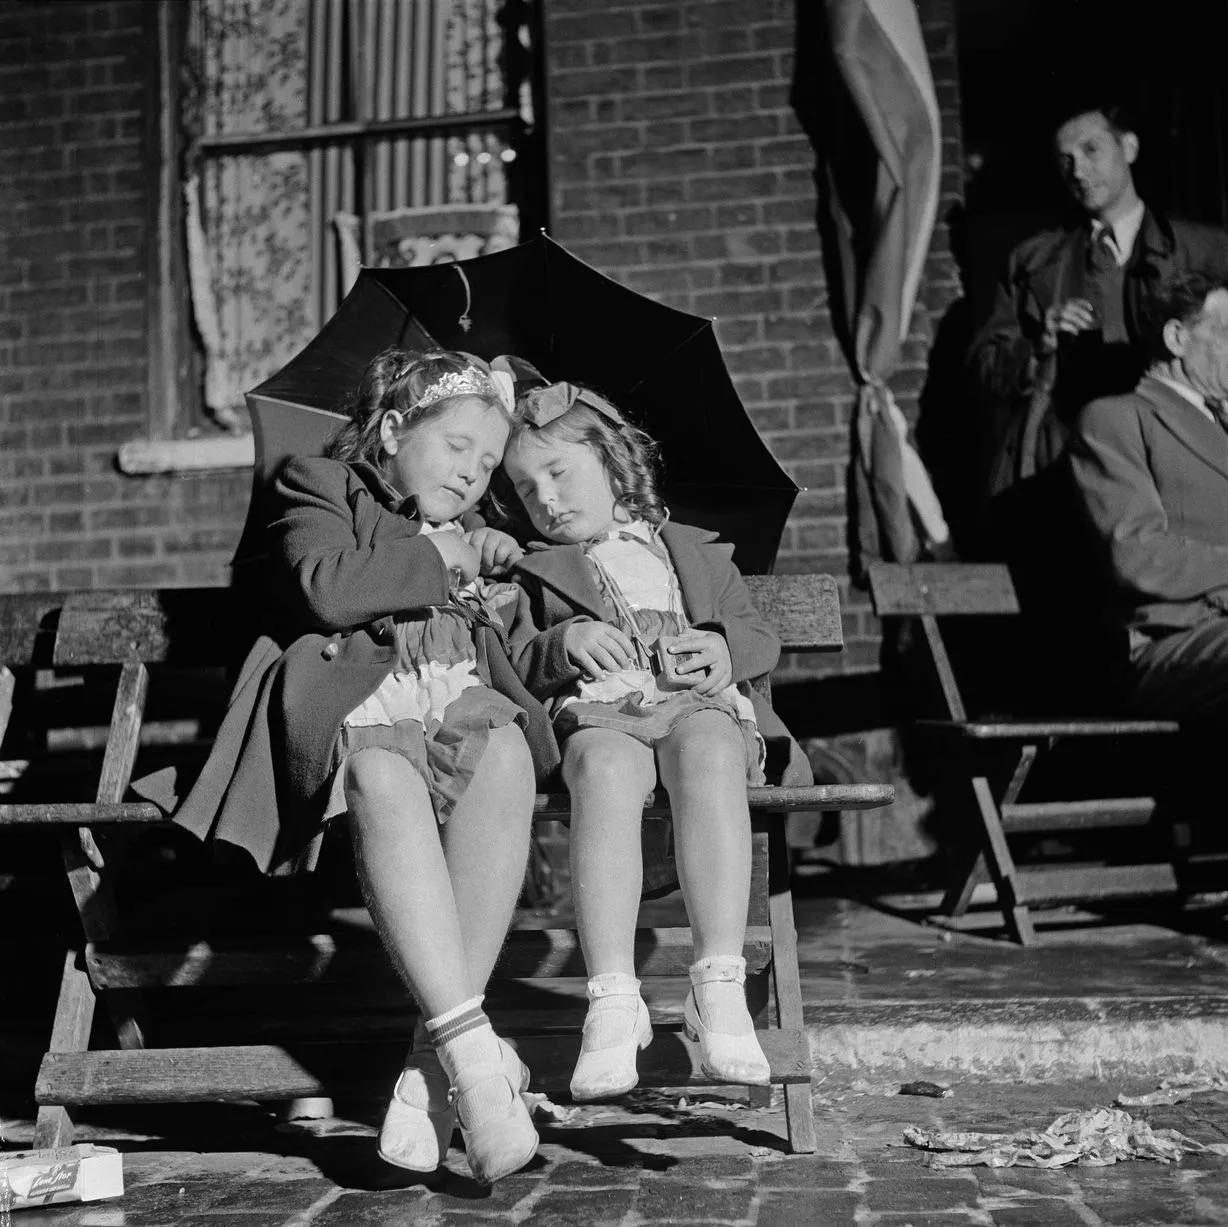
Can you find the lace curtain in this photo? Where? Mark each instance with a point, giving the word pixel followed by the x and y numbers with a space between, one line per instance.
pixel 264 263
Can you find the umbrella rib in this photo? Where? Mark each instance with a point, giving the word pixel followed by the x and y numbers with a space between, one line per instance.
pixel 294 404
pixel 705 325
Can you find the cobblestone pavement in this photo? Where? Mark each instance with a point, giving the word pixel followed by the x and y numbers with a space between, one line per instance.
pixel 655 1159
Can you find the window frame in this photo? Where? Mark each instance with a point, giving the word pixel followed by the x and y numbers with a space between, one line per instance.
pixel 176 438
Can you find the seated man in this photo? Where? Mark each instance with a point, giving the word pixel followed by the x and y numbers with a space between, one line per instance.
pixel 1151 472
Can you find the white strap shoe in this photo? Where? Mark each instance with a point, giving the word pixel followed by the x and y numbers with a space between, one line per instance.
pixel 418 1125
pixel 495 1122
pixel 715 1015
pixel 616 1028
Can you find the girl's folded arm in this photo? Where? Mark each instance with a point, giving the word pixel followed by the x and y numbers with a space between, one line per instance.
pixel 754 648
pixel 540 656
pixel 340 582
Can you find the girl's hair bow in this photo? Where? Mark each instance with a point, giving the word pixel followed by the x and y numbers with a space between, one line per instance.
pixel 541 406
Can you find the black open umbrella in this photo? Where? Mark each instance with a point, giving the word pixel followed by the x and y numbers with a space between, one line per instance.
pixel 662 367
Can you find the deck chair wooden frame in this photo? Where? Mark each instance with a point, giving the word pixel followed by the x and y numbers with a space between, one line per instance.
pixel 129 636
pixel 992 759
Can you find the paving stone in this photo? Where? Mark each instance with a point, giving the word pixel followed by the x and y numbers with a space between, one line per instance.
pixel 63 1215
pixel 287 1196
pixel 382 1209
pixel 831 1207
pixel 566 1208
pixel 804 1172
pixel 1002 1181
pixel 591 1175
pixel 171 1201
pixel 1165 1206
pixel 935 1218
pixel 459 1191
pixel 716 1169
pixel 669 1200
pixel 930 1193
pixel 1040 1212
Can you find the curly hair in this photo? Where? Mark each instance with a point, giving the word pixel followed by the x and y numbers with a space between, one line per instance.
pixel 398 379
pixel 630 456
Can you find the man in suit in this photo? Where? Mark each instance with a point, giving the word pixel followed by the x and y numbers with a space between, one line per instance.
pixel 1068 313
pixel 1151 472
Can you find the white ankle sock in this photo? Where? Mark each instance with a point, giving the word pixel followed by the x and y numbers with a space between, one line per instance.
pixel 614 1001
pixel 718 984
pixel 463 1038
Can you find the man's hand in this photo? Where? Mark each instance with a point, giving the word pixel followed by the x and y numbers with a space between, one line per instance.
pixel 598 648
pixel 497 550
pixel 1072 316
pixel 712 654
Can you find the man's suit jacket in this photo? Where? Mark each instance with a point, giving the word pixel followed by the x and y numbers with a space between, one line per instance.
pixel 1026 413
pixel 1151 471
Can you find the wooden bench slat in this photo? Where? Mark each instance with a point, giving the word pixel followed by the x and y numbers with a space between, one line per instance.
pixel 155 626
pixel 81 814
pixel 768 799
pixel 271 1071
pixel 547 807
pixel 803 610
pixel 1037 816
pixel 320 958
pixel 942 589
pixel 1039 886
pixel 1006 729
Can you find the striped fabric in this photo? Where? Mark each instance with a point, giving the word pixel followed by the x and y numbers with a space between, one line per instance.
pixel 447 1027
pixel 878 49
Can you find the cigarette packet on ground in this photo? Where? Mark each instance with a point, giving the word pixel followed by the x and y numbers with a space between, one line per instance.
pixel 69 1173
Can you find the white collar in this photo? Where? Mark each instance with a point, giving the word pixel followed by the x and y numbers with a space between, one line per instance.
pixel 636 528
pixel 1124 231
pixel 1183 389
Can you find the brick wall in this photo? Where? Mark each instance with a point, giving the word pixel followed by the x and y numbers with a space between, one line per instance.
pixel 74 231
pixel 678 167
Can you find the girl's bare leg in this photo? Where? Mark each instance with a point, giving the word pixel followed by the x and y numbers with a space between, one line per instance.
pixel 486 845
pixel 703 765
pixel 442 903
pixel 608 775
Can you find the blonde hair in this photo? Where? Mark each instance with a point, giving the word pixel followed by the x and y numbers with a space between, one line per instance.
pixel 402 381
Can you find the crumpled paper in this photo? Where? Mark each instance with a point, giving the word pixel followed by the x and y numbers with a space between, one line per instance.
pixel 1096 1137
pixel 1175 1090
pixel 540 1105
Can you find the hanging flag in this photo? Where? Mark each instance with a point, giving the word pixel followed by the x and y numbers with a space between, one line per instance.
pixel 884 199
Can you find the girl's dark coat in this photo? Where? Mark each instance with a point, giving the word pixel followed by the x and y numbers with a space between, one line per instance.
pixel 345 557
pixel 558 588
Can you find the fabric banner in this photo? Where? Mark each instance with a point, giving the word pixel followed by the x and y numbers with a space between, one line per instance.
pixel 884 200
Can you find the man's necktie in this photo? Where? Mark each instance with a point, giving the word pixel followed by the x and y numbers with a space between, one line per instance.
pixel 1102 254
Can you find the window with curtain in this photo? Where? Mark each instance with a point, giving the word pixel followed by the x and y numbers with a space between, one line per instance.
pixel 297 112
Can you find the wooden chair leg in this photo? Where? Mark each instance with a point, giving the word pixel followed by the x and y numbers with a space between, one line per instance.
pixel 70 1032
pixel 1001 867
pixel 786 980
pixel 990 857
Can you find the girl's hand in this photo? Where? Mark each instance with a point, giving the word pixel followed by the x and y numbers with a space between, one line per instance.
pixel 457 554
pixel 598 647
pixel 497 550
pixel 712 654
